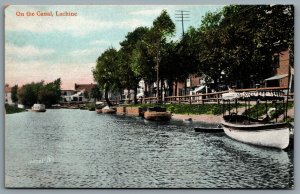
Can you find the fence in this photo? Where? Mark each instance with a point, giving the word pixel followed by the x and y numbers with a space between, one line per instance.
pixel 215 97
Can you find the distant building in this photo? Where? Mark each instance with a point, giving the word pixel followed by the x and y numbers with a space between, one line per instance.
pixel 66 95
pixel 195 85
pixel 84 87
pixel 281 62
pixel 78 94
pixel 8 99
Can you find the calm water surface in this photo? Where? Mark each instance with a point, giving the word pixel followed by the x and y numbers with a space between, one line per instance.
pixel 81 149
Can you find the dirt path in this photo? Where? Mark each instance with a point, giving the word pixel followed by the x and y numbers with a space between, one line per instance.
pixel 203 118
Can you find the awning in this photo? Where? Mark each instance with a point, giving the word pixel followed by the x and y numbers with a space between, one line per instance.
pixel 199 89
pixel 277 77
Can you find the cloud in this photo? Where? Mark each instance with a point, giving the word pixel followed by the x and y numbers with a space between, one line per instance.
pixel 86 52
pixel 147 12
pixel 100 43
pixel 26 51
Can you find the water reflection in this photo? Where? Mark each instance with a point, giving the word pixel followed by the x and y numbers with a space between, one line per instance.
pixel 82 149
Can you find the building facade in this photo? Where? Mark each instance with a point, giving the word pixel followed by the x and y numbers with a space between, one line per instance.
pixel 281 62
pixel 8 99
pixel 78 94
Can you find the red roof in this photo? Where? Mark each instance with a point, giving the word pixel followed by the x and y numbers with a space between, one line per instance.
pixel 7 89
pixel 85 87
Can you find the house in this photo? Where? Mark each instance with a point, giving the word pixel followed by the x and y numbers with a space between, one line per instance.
pixel 281 62
pixel 84 87
pixel 195 85
pixel 66 95
pixel 8 99
pixel 78 94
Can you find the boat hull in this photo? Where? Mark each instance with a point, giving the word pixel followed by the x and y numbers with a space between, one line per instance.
pixel 98 110
pixel 209 129
pixel 108 111
pixel 157 116
pixel 259 135
pixel 38 110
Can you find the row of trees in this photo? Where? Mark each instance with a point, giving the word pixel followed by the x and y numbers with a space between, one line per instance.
pixel 240 40
pixel 39 92
pixel 234 45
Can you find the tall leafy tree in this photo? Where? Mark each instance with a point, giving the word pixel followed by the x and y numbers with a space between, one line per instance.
pixel 162 28
pixel 132 59
pixel 106 72
pixel 96 93
pixel 50 93
pixel 14 93
pixel 40 92
pixel 238 42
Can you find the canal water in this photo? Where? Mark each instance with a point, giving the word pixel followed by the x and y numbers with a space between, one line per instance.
pixel 81 149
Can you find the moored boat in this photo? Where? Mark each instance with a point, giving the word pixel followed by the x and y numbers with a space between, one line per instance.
pixel 248 130
pixel 108 110
pixel 251 131
pixel 99 110
pixel 38 108
pixel 203 129
pixel 157 114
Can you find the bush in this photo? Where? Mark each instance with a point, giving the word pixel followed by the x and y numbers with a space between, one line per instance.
pixel 12 109
pixel 260 110
pixel 215 109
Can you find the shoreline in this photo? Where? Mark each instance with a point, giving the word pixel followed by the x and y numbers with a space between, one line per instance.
pixel 199 118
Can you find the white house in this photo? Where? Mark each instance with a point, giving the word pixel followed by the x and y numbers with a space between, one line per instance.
pixel 8 99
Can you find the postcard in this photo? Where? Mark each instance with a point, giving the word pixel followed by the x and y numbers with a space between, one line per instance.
pixel 149 96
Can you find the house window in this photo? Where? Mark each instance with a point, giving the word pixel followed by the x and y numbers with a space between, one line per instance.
pixel 276 61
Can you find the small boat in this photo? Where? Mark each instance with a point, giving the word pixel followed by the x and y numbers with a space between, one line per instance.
pixel 99 110
pixel 252 131
pixel 108 110
pixel 187 121
pixel 157 114
pixel 38 108
pixel 248 130
pixel 56 106
pixel 217 129
pixel 91 109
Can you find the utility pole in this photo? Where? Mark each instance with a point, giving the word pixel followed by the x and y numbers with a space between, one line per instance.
pixel 183 16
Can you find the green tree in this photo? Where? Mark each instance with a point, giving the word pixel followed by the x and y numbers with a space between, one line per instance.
pixel 50 93
pixel 40 92
pixel 96 93
pixel 106 72
pixel 14 93
pixel 162 28
pixel 133 59
pixel 28 94
pixel 86 94
pixel 211 60
pixel 240 40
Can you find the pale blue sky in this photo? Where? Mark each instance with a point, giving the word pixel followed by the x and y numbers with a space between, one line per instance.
pixel 45 48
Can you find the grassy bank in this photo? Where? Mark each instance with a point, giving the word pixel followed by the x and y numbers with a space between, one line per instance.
pixel 210 109
pixel 12 109
pixel 260 110
pixel 217 109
